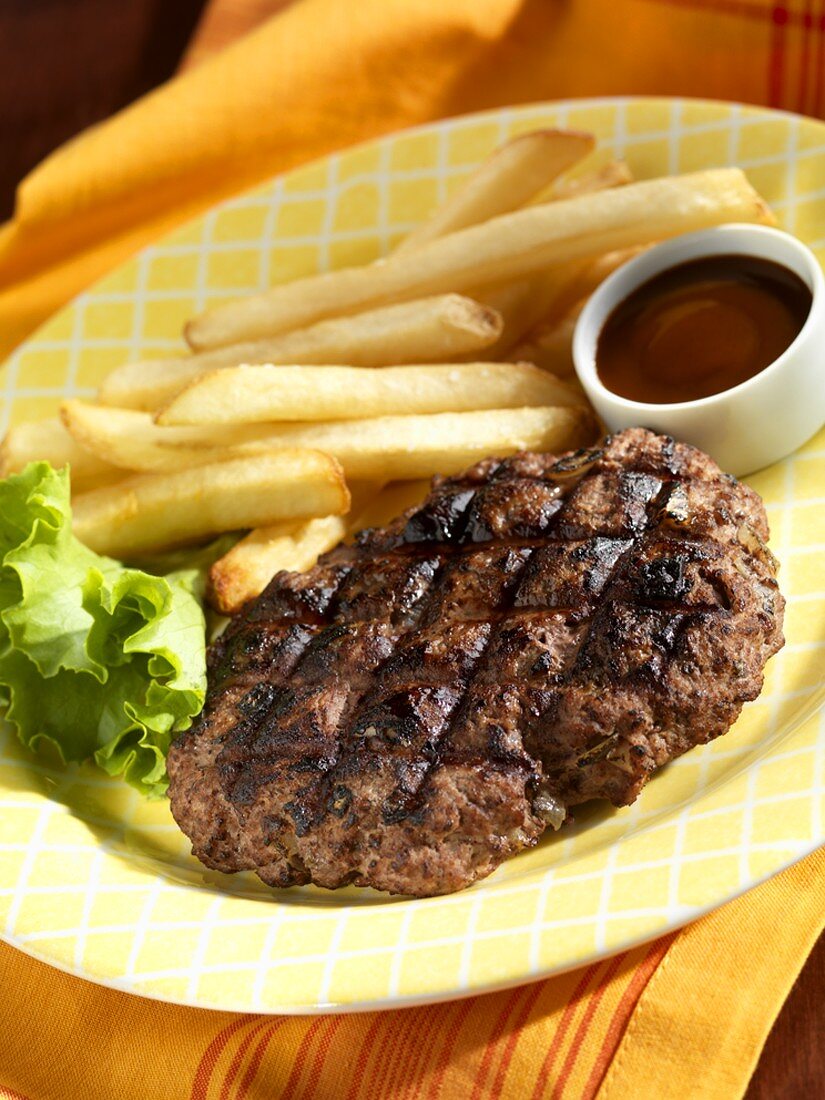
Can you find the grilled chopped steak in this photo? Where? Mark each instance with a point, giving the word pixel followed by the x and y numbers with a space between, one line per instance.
pixel 540 632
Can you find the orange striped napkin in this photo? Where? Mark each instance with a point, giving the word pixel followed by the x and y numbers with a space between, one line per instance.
pixel 684 1017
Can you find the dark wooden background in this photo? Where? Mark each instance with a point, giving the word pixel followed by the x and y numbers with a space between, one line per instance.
pixel 65 64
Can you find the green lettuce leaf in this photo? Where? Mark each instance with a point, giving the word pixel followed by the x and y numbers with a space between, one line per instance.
pixel 101 660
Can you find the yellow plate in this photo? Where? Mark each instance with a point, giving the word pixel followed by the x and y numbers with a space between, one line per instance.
pixel 100 883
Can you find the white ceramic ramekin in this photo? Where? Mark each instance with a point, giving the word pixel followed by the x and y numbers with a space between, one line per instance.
pixel 760 420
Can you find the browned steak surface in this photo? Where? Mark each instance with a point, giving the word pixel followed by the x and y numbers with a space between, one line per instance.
pixel 540 632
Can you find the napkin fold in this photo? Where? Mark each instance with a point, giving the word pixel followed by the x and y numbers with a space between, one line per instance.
pixel 685 1016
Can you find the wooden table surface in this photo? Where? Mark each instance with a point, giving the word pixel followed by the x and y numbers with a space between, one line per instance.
pixel 119 51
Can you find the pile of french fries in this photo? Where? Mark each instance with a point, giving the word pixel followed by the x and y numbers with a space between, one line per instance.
pixel 279 423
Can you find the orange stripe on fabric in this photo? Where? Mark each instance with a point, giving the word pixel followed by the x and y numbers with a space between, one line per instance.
pixel 9 1094
pixel 532 994
pixel 394 1036
pixel 257 1055
pixel 593 1002
pixel 385 1065
pixel 362 1059
pixel 251 1071
pixel 408 1063
pixel 642 974
pixel 436 1021
pixel 402 1074
pixel 301 1055
pixel 237 1060
pixel 317 1068
pixel 408 1069
pixel 561 1030
pixel 489 1048
pixel 446 1052
pixel 209 1059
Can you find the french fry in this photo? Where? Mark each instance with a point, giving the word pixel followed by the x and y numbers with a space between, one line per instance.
pixel 524 302
pixel 410 447
pixel 247 395
pixel 376 449
pixel 550 346
pixel 589 276
pixel 48 441
pixel 245 571
pixel 508 247
pixel 427 330
pixel 156 512
pixel 615 173
pixel 131 440
pixel 509 178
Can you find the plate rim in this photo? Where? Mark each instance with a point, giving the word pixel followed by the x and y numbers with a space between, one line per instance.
pixel 390 1004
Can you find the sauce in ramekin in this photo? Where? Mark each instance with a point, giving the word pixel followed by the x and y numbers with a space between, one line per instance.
pixel 701 328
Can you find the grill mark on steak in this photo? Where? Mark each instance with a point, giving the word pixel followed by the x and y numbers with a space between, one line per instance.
pixel 399 731
pixel 541 631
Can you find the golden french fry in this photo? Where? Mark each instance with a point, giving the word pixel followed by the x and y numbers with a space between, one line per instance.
pixel 588 277
pixel 48 441
pixel 549 344
pixel 507 247
pixel 615 173
pixel 247 395
pixel 550 347
pixel 409 447
pixel 376 449
pixel 245 571
pixel 525 302
pixel 156 512
pixel 510 176
pixel 427 330
pixel 131 440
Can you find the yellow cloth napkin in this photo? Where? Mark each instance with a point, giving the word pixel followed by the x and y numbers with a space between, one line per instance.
pixel 683 1017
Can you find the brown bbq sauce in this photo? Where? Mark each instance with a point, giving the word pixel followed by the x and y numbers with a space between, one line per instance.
pixel 700 328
